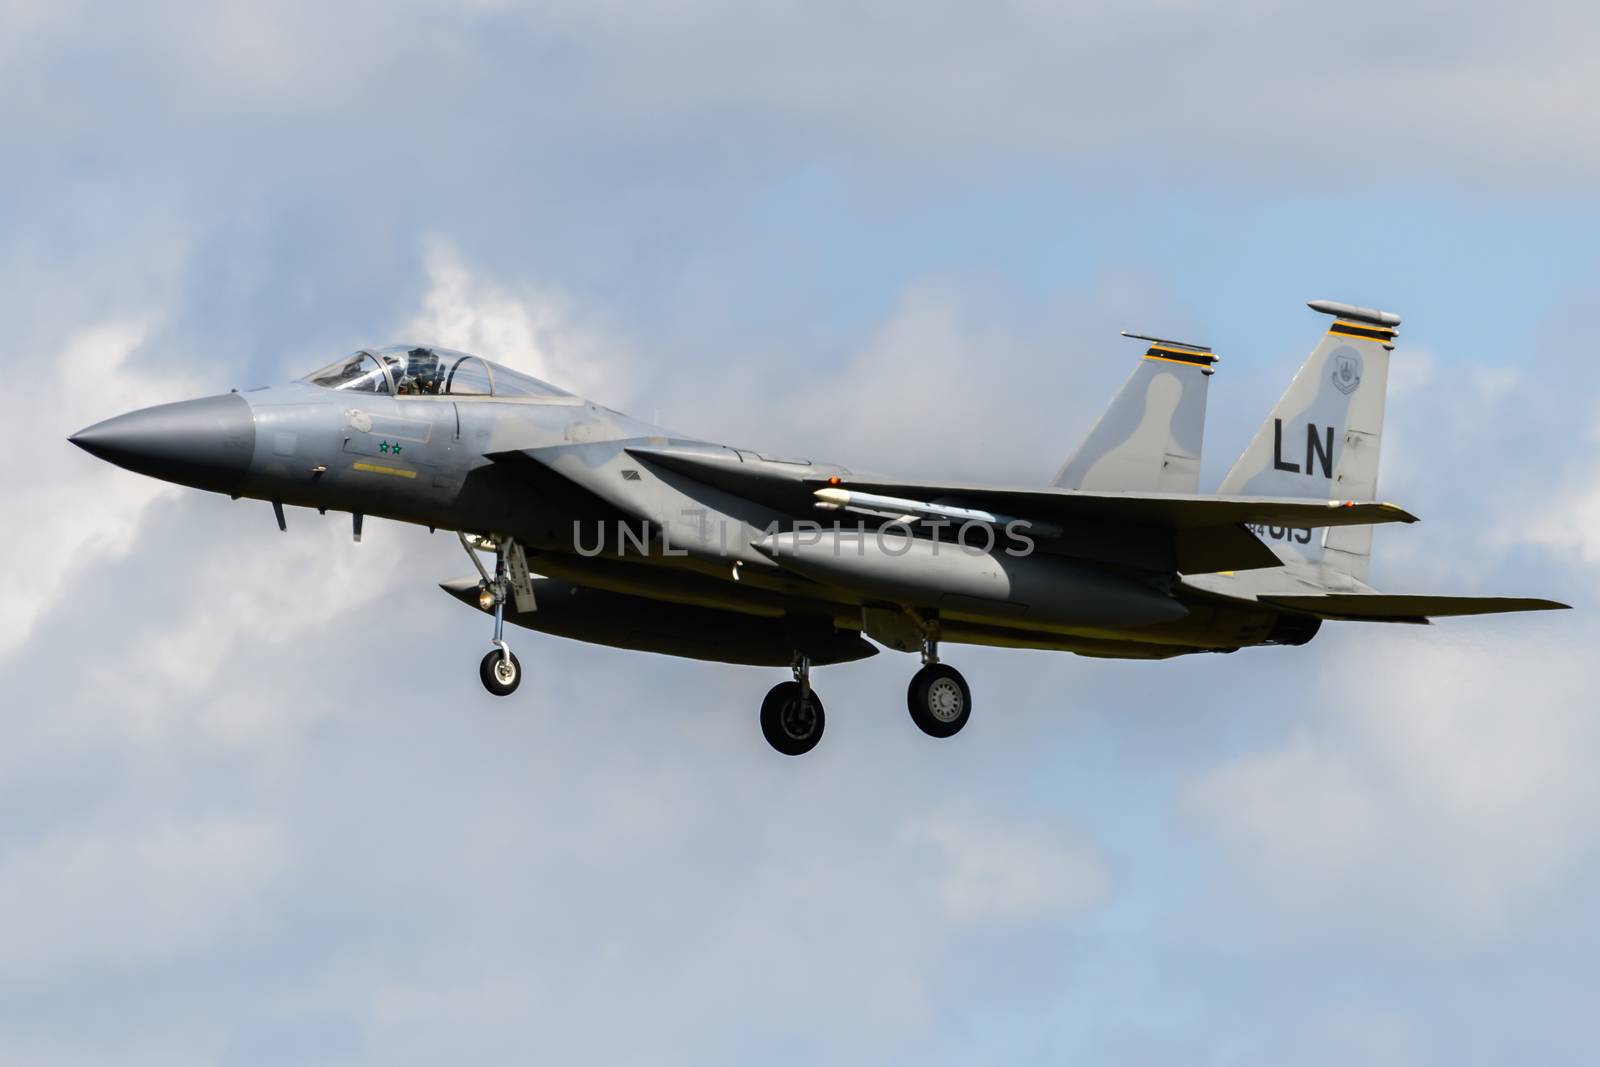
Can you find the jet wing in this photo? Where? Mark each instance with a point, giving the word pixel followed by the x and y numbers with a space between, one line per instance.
pixel 1384 607
pixel 1201 534
pixel 1177 511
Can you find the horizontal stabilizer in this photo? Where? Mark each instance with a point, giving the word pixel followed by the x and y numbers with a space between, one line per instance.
pixel 1381 607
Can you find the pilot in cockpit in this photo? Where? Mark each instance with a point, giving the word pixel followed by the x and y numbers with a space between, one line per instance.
pixel 426 371
pixel 419 373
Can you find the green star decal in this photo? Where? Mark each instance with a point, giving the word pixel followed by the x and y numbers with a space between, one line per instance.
pixel 383 446
pixel 395 448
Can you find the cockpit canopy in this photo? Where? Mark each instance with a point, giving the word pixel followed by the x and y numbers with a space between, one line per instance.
pixel 417 370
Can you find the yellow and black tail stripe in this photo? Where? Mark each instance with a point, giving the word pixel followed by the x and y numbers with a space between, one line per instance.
pixel 1195 357
pixel 1365 331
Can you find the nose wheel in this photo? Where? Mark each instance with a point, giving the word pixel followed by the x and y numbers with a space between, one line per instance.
pixel 500 672
pixel 938 697
pixel 791 716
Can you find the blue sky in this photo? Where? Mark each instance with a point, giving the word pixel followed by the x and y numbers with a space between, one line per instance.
pixel 258 807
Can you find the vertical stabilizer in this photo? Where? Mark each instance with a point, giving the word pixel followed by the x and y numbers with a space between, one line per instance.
pixel 1149 439
pixel 1323 437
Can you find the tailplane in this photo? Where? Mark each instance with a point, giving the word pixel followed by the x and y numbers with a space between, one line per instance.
pixel 1149 439
pixel 1389 607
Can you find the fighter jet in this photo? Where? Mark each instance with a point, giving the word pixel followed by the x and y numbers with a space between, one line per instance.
pixel 612 530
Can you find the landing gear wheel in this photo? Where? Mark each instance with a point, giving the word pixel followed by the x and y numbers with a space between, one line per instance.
pixel 790 725
pixel 939 700
pixel 500 676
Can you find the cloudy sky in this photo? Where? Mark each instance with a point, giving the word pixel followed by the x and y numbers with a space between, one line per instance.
pixel 257 807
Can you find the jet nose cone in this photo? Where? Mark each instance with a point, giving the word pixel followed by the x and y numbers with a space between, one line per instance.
pixel 205 443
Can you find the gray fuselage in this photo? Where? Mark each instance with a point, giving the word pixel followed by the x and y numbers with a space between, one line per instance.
pixel 634 540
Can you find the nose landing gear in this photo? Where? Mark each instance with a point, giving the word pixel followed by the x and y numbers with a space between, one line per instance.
pixel 499 670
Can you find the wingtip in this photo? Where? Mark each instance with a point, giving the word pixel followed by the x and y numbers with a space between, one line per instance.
pixel 1397 513
pixel 1390 512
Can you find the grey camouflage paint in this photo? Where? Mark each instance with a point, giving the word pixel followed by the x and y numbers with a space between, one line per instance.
pixel 1149 439
pixel 1321 441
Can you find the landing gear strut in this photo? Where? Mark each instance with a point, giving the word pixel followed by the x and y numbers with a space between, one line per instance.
pixel 499 670
pixel 791 716
pixel 938 697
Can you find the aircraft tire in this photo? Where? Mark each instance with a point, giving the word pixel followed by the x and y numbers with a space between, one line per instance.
pixel 939 700
pixel 501 683
pixel 788 726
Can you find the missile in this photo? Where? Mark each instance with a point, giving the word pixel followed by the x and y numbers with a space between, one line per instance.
pixel 901 509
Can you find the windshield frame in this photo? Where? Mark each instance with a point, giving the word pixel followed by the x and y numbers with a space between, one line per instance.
pixel 462 358
pixel 365 362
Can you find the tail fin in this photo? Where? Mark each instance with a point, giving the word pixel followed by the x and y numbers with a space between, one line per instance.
pixel 1149 439
pixel 1322 438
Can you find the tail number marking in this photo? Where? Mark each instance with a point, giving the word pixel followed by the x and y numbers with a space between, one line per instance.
pixel 1288 534
pixel 1319 450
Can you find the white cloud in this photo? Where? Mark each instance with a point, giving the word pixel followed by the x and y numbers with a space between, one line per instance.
pixel 1443 790
pixel 998 870
pixel 125 896
pixel 79 510
pixel 31 24
pixel 1570 524
pixel 946 385
pixel 533 329
pixel 87 1049
pixel 1259 91
pixel 1411 371
pixel 311 581
pixel 1567 521
pixel 475 1006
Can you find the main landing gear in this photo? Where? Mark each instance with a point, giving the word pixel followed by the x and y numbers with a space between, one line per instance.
pixel 938 697
pixel 791 716
pixel 499 670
